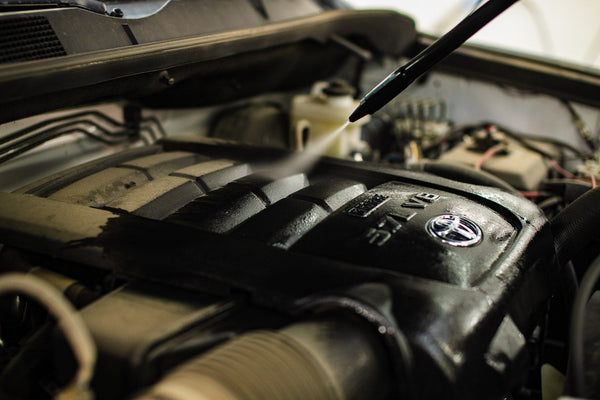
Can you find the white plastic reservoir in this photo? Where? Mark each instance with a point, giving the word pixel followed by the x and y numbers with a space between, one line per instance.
pixel 322 113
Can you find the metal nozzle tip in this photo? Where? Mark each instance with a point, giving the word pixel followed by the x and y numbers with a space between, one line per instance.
pixel 357 114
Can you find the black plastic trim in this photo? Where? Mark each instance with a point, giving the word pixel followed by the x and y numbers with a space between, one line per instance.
pixel 23 83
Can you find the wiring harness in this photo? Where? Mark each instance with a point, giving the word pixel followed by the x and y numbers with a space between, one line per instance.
pixel 93 124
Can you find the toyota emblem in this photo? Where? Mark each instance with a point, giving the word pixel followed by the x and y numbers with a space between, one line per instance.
pixel 455 230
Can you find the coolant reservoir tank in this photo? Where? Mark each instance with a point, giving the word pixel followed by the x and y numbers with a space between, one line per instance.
pixel 320 114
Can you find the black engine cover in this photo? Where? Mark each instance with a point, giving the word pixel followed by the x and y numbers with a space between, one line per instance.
pixel 460 271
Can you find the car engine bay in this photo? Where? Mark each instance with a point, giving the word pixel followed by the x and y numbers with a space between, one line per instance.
pixel 187 214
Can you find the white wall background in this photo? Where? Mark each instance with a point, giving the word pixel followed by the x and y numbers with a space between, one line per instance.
pixel 567 30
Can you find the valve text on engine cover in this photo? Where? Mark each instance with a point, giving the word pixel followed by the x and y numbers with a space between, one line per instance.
pixel 391 223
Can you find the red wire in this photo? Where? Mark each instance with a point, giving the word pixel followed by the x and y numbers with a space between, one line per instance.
pixel 495 149
pixel 569 175
pixel 561 170
pixel 487 155
pixel 530 195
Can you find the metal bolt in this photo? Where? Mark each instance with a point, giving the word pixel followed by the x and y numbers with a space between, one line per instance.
pixel 166 78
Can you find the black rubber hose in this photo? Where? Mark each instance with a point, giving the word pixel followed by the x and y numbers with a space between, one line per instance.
pixel 33 360
pixel 588 284
pixel 461 173
pixel 576 226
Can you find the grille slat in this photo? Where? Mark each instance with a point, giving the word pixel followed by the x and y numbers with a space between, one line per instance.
pixel 28 38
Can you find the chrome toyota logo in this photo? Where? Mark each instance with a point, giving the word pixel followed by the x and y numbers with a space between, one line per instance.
pixel 455 230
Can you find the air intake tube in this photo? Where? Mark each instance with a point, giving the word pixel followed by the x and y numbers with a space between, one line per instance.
pixel 328 359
